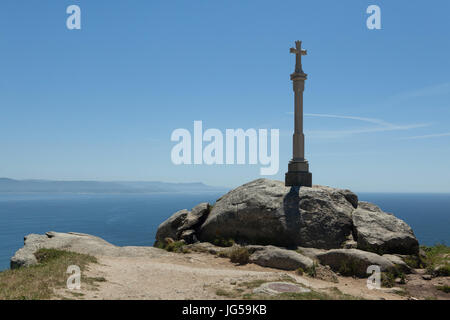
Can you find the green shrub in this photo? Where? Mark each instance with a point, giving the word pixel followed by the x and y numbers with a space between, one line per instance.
pixel 299 271
pixel 387 279
pixel 311 271
pixel 222 242
pixel 177 246
pixel 239 255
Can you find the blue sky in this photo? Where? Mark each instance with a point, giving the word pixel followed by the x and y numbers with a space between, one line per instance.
pixel 100 103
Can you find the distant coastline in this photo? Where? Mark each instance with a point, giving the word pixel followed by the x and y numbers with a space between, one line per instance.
pixel 8 185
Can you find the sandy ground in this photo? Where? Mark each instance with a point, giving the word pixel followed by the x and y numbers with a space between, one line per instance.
pixel 194 276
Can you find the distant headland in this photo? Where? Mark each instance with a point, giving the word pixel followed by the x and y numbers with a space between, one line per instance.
pixel 8 185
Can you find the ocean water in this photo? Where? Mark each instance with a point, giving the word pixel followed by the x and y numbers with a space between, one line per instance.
pixel 132 219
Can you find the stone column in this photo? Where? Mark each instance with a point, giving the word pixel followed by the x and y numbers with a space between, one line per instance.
pixel 298 169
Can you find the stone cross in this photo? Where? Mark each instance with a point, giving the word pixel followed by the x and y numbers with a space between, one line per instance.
pixel 298 174
pixel 299 52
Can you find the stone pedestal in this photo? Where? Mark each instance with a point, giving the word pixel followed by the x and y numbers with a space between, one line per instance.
pixel 298 174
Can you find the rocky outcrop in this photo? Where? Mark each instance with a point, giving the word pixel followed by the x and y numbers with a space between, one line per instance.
pixel 267 212
pixel 382 232
pixel 353 261
pixel 76 242
pixel 183 224
pixel 278 258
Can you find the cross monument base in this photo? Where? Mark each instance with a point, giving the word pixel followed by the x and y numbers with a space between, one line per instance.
pixel 298 174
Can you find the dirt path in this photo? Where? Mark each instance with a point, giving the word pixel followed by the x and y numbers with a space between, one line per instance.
pixel 195 276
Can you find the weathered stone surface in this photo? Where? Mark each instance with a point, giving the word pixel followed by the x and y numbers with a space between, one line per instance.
pixel 76 242
pixel 311 253
pixel 381 232
pixel 182 224
pixel 353 261
pixel 24 257
pixel 266 212
pixel 278 258
pixel 196 217
pixel 169 228
pixel 369 206
pixel 188 236
pixel 275 288
pixel 398 262
pixel 204 247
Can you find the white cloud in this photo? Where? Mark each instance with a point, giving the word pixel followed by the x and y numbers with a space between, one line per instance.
pixel 381 126
pixel 435 135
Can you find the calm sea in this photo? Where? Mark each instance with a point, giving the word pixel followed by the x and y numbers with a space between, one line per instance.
pixel 132 219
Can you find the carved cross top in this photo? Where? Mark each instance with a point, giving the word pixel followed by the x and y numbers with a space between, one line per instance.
pixel 299 52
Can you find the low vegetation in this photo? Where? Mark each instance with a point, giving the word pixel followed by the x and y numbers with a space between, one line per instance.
pixel 173 246
pixel 239 255
pixel 39 281
pixel 311 271
pixel 350 268
pixel 437 260
pixel 222 242
pixel 444 288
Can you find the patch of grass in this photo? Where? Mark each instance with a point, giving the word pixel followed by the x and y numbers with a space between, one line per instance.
pixel 239 255
pixel 313 295
pixel 311 271
pixel 388 278
pixel 401 292
pixel 337 294
pixel 299 271
pixel 437 260
pixel 177 246
pixel 253 284
pixel 75 294
pixel 225 293
pixel 444 288
pixel 173 246
pixel 414 261
pixel 222 242
pixel 37 282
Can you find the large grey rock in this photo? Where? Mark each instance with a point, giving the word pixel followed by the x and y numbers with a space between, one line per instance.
pixel 382 232
pixel 353 261
pixel 182 224
pixel 266 212
pixel 278 258
pixel 170 227
pixel 76 242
